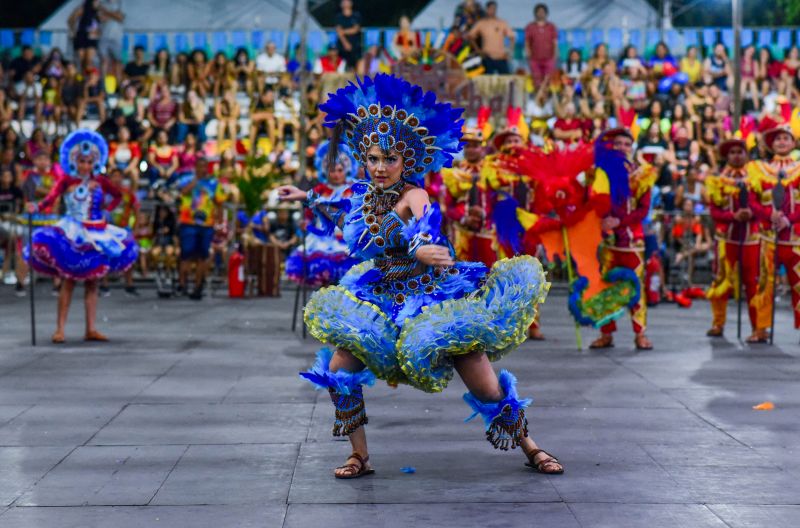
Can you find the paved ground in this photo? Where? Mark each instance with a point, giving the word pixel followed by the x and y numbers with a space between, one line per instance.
pixel 194 416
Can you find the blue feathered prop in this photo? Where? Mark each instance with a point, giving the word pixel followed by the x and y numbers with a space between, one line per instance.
pixel 388 111
pixel 615 165
pixel 509 229
pixel 425 230
pixel 341 381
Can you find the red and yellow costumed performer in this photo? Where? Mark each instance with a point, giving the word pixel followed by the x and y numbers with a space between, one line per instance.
pixel 469 202
pixel 764 178
pixel 630 185
pixel 737 234
pixel 565 217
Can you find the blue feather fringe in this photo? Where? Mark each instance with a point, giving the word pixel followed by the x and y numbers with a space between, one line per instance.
pixel 490 411
pixel 341 381
pixel 575 299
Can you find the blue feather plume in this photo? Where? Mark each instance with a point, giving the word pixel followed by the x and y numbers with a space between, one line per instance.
pixel 509 229
pixel 430 223
pixel 615 165
pixel 340 381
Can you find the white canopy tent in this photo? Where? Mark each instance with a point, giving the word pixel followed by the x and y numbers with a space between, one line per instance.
pixel 192 15
pixel 587 14
pixel 196 23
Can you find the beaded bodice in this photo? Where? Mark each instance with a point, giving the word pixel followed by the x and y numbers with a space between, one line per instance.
pixel 375 229
pixel 84 202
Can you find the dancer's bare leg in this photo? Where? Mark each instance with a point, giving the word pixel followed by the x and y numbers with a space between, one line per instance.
pixel 342 359
pixel 90 301
pixel 478 375
pixel 64 300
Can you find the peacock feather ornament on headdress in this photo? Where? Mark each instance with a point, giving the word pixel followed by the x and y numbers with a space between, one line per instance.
pixel 344 157
pixel 393 114
pixel 83 144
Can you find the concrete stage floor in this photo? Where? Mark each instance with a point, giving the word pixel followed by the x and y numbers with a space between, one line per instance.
pixel 194 416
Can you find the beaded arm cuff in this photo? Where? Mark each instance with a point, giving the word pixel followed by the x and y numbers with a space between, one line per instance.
pixel 506 424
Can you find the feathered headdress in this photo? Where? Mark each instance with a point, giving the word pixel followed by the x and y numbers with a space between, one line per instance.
pixel 344 157
pixel 83 143
pixel 394 114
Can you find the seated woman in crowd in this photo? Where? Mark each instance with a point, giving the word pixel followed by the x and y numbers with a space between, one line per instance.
pixel 219 74
pixel 192 118
pixel 163 111
pixel 6 110
pixel 37 143
pixel 179 73
pixel 243 69
pixel 262 118
pixel 196 73
pixel 125 154
pixel 188 152
pixel 163 159
pixel 574 66
pixel 227 112
pixel 691 65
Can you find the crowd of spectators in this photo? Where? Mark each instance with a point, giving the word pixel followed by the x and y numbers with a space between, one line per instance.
pixel 162 112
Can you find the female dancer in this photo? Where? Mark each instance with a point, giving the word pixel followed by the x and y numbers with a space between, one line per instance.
pixel 325 256
pixel 82 246
pixel 410 313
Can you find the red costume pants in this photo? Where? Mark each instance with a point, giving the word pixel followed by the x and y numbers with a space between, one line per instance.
pixel 631 258
pixel 726 281
pixel 789 256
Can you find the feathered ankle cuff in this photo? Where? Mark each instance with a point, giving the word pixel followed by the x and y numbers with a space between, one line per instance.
pixel 345 390
pixel 506 424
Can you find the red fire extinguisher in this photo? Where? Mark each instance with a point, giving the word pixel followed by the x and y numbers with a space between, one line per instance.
pixel 236 274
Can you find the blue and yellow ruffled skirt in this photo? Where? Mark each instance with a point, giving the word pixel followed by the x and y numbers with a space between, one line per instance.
pixel 410 331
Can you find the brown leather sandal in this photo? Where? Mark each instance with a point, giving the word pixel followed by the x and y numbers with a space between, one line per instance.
pixel 604 341
pixel 714 331
pixel 58 338
pixel 759 337
pixel 95 336
pixel 642 343
pixel 355 470
pixel 534 334
pixel 541 467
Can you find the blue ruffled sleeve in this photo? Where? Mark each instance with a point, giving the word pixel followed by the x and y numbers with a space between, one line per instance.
pixel 330 211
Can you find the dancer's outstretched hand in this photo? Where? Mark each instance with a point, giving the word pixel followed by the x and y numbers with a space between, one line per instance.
pixel 434 255
pixel 290 193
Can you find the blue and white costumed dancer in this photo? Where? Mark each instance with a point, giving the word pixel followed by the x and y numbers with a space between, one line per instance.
pixel 82 246
pixel 326 257
pixel 410 313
